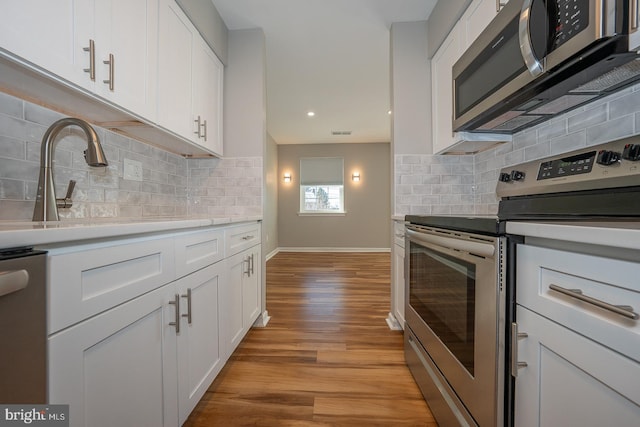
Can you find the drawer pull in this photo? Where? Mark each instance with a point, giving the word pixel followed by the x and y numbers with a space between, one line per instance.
pixel 248 237
pixel 622 310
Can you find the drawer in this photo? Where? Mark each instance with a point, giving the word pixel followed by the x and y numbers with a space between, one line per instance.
pixel 198 249
pixel 398 233
pixel 240 238
pixel 85 280
pixel 614 282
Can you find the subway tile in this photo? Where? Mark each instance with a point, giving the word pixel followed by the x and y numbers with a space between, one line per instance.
pixel 40 115
pixel 588 117
pixel 564 144
pixel 11 106
pixel 537 151
pixel 610 130
pixel 624 105
pixel 12 148
pixel 12 189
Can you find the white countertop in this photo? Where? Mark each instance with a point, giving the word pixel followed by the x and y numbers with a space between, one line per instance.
pixel 33 233
pixel 614 234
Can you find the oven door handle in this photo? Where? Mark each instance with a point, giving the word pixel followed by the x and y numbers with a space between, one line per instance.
pixel 478 248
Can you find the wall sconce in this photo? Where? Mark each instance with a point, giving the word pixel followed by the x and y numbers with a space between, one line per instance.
pixel 355 176
pixel 287 177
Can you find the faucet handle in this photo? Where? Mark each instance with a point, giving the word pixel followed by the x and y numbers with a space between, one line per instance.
pixel 67 202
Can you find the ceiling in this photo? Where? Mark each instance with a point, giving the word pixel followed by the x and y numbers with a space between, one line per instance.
pixel 326 56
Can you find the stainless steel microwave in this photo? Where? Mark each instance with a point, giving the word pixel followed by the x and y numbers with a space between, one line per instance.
pixel 538 58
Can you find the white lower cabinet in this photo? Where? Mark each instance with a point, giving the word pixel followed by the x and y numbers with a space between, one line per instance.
pixel 199 351
pixel 398 288
pixel 119 367
pixel 570 380
pixel 578 341
pixel 242 296
pixel 149 357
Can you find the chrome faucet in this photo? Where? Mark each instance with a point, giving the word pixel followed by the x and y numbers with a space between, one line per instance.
pixel 46 208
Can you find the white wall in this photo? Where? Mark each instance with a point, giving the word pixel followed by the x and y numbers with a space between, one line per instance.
pixel 270 211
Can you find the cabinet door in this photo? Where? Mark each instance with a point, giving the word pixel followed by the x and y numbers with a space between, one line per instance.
pixel 174 74
pixel 231 319
pixel 398 284
pixel 119 368
pixel 50 34
pixel 207 96
pixel 128 30
pixel 251 291
pixel 476 18
pixel 570 380
pixel 199 348
pixel 442 89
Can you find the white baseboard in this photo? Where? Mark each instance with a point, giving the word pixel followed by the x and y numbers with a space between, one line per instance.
pixel 262 320
pixel 272 254
pixel 334 249
pixel 393 323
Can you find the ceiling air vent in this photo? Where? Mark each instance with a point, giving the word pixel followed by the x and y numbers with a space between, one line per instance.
pixel 340 132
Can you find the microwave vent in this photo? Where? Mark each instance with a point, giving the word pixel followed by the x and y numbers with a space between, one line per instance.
pixel 515 123
pixel 622 74
pixel 563 103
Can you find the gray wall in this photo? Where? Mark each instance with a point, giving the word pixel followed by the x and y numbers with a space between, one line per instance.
pixel 245 100
pixel 270 211
pixel 207 20
pixel 367 221
pixel 410 89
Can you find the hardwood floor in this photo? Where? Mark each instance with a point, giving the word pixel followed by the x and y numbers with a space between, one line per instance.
pixel 326 358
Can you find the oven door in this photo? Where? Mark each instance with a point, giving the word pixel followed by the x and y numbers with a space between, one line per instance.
pixel 453 308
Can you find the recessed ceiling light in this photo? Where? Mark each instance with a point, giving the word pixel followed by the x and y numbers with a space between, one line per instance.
pixel 311 114
pixel 389 112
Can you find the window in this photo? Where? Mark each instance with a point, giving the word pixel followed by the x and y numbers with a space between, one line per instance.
pixel 322 185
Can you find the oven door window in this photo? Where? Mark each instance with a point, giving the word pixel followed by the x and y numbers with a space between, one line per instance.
pixel 442 291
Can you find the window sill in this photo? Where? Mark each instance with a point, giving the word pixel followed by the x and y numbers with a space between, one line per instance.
pixel 344 213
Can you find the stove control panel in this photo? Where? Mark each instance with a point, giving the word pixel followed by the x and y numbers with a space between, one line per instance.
pixel 567 166
pixel 611 165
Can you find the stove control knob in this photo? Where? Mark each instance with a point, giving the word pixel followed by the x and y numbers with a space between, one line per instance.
pixel 606 157
pixel 517 175
pixel 504 177
pixel 631 152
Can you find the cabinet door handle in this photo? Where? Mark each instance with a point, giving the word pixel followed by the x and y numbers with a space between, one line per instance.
pixel 111 64
pixel 176 306
pixel 198 123
pixel 247 261
pixel 188 297
pixel 251 266
pixel 515 335
pixel 622 310
pixel 92 60
pixel 204 133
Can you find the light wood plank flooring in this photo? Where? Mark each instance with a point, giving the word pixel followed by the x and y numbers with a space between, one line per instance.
pixel 326 358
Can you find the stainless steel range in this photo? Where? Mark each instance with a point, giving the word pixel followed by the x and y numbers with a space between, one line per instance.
pixel 460 280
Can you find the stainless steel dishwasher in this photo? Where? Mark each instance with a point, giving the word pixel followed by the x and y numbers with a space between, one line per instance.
pixel 23 326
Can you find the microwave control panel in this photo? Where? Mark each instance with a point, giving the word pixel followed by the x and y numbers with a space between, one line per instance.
pixel 571 17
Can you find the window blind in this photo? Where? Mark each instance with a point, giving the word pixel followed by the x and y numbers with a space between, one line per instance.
pixel 322 171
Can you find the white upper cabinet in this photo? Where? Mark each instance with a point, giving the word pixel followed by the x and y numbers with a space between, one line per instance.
pixel 46 33
pixel 126 52
pixel 207 90
pixel 190 81
pixel 475 19
pixel 73 39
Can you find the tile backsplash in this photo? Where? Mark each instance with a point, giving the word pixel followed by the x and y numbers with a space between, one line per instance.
pixel 422 188
pixel 171 185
